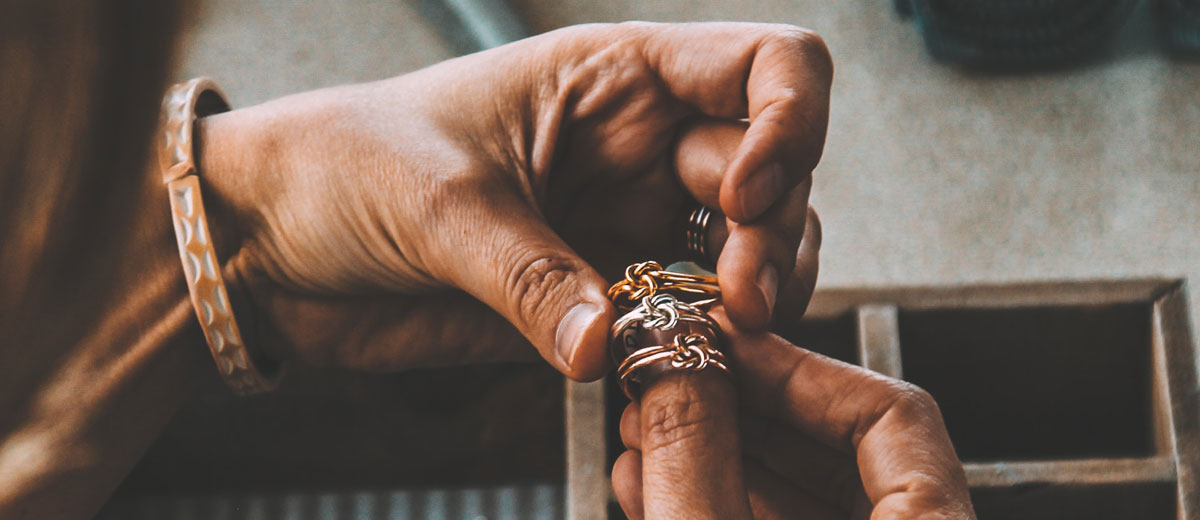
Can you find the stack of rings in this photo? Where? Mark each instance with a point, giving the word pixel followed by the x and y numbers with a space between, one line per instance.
pixel 695 235
pixel 652 299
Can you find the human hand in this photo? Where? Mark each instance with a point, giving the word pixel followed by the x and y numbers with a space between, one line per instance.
pixel 816 439
pixel 410 221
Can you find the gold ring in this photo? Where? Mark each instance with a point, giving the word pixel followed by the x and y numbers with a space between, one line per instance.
pixel 691 352
pixel 646 279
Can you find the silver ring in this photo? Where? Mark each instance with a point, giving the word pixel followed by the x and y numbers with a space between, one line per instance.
pixel 661 312
pixel 696 234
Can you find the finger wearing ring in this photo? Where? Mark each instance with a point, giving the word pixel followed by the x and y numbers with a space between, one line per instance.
pixel 695 234
pixel 690 352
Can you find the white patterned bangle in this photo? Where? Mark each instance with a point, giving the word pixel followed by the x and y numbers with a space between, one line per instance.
pixel 183 103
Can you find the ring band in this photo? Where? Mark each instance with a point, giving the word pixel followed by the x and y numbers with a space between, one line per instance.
pixel 691 352
pixel 695 234
pixel 659 312
pixel 652 299
pixel 645 279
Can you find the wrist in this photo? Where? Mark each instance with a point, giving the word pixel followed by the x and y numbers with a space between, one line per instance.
pixel 198 238
pixel 228 166
pixel 232 157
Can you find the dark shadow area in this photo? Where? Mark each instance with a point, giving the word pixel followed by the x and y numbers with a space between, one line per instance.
pixel 1143 501
pixel 1036 383
pixel 328 431
pixel 836 338
pixel 1004 37
pixel 614 404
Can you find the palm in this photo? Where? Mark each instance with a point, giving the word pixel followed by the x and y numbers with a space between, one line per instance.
pixel 614 196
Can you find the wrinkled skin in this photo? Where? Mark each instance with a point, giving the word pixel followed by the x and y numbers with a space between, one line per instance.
pixel 812 438
pixel 426 218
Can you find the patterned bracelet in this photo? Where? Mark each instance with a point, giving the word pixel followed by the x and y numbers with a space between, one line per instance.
pixel 183 103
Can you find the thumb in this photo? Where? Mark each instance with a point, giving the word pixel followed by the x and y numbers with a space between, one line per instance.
pixel 512 261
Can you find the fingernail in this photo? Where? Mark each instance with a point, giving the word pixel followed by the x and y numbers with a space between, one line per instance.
pixel 768 283
pixel 762 189
pixel 570 330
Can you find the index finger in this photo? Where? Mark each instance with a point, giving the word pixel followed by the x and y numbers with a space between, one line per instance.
pixel 905 457
pixel 691 459
pixel 778 76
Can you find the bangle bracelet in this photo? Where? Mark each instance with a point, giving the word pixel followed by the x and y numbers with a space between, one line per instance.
pixel 183 103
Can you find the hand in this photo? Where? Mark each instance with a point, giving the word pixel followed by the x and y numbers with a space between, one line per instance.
pixel 429 218
pixel 817 439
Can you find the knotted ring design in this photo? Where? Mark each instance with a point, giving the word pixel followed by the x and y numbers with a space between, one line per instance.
pixel 645 279
pixel 652 296
pixel 688 352
pixel 662 312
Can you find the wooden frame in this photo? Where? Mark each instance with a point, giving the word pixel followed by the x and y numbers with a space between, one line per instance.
pixel 1175 389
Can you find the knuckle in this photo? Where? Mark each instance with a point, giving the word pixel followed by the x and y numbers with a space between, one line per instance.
pixel 903 400
pixel 532 282
pixel 809 45
pixel 676 421
pixel 911 400
pixel 634 26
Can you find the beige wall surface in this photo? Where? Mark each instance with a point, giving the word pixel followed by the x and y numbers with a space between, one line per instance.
pixel 931 175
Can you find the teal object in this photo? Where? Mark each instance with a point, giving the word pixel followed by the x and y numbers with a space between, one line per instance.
pixel 1181 25
pixel 1016 33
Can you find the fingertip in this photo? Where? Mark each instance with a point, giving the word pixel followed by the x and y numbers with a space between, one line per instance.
pixel 631 427
pixel 762 189
pixel 798 290
pixel 745 197
pixel 627 483
pixel 758 258
pixel 742 287
pixel 581 341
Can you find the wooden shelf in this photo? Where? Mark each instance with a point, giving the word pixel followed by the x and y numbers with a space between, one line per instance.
pixel 1088 471
pixel 1085 389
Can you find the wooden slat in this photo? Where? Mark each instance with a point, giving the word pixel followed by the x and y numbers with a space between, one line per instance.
pixel 587 475
pixel 1164 437
pixel 1172 335
pixel 833 302
pixel 879 339
pixel 1088 471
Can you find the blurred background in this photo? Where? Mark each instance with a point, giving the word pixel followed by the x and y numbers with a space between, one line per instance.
pixel 949 161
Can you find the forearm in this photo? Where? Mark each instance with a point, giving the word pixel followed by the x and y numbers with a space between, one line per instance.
pixel 93 373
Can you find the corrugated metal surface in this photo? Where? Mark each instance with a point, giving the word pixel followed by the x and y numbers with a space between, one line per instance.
pixel 530 502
